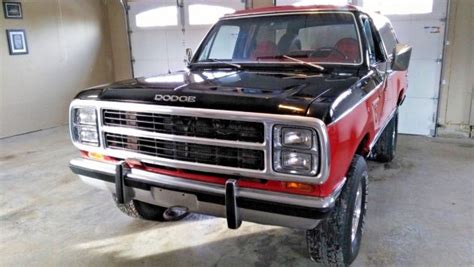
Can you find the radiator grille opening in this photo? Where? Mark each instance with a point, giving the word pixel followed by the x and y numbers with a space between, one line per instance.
pixel 186 125
pixel 207 154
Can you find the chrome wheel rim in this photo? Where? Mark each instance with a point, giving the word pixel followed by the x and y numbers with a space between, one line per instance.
pixel 394 135
pixel 356 213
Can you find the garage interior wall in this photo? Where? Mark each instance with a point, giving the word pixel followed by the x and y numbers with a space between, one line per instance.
pixel 69 49
pixel 456 106
pixel 119 40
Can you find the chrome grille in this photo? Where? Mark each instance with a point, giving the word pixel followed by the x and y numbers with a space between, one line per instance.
pixel 183 151
pixel 186 125
pixel 267 121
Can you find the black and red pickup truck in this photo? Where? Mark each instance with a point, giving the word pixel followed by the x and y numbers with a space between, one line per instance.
pixel 272 122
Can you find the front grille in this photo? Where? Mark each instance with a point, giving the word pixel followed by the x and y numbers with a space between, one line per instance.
pixel 186 125
pixel 207 154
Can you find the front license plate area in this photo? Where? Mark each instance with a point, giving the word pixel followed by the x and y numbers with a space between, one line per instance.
pixel 169 198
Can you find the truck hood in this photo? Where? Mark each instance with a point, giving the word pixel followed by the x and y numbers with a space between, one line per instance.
pixel 251 91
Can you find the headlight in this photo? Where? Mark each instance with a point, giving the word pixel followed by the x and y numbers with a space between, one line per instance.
pixel 295 150
pixel 87 134
pixel 85 116
pixel 84 126
pixel 301 138
pixel 296 161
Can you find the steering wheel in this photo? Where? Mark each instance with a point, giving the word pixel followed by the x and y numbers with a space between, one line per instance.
pixel 327 49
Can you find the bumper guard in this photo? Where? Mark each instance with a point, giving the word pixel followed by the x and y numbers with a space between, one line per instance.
pixel 228 201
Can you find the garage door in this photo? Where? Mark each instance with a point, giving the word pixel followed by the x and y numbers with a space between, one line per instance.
pixel 421 24
pixel 161 30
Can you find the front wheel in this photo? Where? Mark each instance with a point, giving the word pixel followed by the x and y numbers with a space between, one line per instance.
pixel 142 210
pixel 336 240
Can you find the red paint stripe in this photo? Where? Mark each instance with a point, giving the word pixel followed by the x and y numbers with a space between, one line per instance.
pixel 275 186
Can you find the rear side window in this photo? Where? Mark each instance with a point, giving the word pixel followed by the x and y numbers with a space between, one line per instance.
pixel 388 38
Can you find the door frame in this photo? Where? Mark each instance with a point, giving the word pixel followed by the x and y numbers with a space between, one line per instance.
pixel 443 65
pixel 126 8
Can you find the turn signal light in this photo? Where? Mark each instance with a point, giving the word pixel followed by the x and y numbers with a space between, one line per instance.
pixel 299 186
pixel 96 156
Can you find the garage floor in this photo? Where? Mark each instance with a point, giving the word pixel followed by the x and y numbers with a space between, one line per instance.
pixel 421 213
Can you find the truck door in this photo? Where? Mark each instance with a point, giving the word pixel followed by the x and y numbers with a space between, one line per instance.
pixel 392 85
pixel 377 63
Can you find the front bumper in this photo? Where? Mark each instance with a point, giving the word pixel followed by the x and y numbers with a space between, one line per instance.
pixel 227 201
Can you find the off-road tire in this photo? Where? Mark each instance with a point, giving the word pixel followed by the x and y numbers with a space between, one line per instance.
pixel 330 243
pixel 142 210
pixel 384 149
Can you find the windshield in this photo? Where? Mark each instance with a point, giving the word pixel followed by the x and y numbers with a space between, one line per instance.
pixel 323 38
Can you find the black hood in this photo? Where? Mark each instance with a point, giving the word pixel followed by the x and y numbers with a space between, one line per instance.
pixel 239 90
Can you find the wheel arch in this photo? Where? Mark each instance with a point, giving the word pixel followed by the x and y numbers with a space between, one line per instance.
pixel 363 147
pixel 401 97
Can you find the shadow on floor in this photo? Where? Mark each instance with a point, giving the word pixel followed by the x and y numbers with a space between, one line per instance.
pixel 278 246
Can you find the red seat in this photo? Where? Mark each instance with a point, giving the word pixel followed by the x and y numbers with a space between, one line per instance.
pixel 350 48
pixel 264 49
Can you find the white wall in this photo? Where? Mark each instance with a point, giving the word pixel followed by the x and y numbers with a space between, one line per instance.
pixel 69 49
pixel 119 40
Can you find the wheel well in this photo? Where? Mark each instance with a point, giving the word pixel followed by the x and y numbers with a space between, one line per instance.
pixel 400 97
pixel 363 148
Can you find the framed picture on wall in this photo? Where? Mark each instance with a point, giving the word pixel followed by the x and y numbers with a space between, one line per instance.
pixel 12 10
pixel 17 42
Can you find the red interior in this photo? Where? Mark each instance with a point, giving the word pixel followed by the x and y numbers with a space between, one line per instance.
pixel 350 48
pixel 265 49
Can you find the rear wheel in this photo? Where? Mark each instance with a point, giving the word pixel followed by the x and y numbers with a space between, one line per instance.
pixel 384 149
pixel 336 240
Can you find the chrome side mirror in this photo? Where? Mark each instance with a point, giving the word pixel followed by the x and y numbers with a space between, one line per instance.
pixel 401 57
pixel 189 55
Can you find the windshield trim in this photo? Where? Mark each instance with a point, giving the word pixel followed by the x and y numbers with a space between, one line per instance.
pixel 203 41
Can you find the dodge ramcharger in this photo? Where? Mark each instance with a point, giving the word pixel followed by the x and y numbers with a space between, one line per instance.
pixel 271 122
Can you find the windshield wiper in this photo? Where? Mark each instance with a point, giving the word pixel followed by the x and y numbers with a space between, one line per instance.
pixel 223 62
pixel 319 67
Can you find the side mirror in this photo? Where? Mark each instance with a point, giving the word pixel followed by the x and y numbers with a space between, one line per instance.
pixel 189 55
pixel 401 57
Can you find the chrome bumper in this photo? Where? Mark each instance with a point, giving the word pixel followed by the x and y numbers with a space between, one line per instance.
pixel 229 201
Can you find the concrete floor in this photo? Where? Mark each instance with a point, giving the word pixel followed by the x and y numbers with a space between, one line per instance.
pixel 421 213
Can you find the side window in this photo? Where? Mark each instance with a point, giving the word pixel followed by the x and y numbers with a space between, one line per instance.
pixel 374 42
pixel 388 38
pixel 370 39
